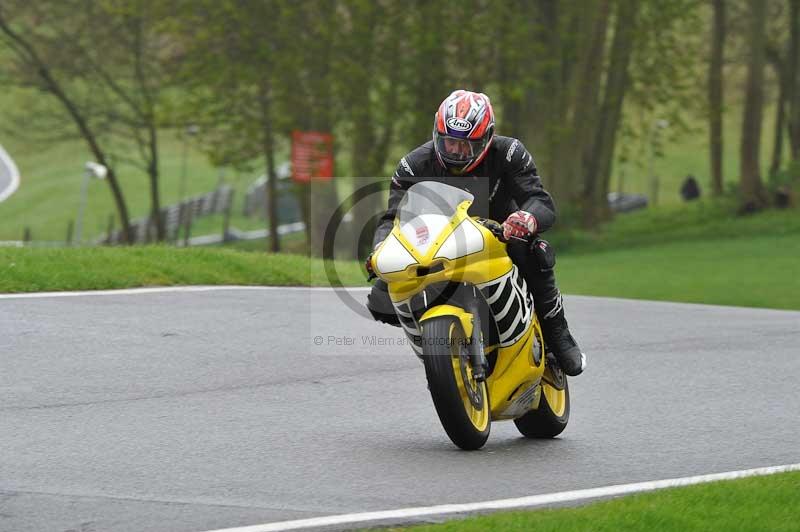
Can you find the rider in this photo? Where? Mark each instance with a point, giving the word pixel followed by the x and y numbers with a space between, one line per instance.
pixel 464 151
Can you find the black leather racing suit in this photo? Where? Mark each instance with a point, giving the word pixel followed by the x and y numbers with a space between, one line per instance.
pixel 506 181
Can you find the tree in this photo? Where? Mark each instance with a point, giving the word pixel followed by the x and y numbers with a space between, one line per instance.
pixel 371 66
pixel 779 56
pixel 716 95
pixel 566 94
pixel 39 63
pixel 602 153
pixel 576 155
pixel 427 70
pixel 778 63
pixel 254 77
pixel 311 72
pixel 793 73
pixel 752 190
pixel 108 66
pixel 230 75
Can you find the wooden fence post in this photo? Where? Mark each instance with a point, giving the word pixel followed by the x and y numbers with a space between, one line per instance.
pixel 226 220
pixel 176 234
pixel 188 226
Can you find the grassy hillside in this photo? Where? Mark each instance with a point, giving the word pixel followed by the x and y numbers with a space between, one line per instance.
pixel 51 178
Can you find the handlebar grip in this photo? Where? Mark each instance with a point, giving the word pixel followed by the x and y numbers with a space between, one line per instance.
pixel 497 230
pixel 494 227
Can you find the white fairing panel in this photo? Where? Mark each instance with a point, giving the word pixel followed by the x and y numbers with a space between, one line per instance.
pixel 464 240
pixel 393 257
pixel 422 230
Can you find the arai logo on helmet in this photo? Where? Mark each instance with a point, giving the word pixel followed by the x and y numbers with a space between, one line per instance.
pixel 459 124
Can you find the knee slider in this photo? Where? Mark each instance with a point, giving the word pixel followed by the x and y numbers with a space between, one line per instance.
pixel 544 253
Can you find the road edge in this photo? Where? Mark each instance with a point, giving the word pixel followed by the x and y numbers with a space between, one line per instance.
pixel 533 501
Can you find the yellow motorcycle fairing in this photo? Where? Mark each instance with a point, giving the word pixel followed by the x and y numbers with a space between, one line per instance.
pixel 513 385
pixel 450 310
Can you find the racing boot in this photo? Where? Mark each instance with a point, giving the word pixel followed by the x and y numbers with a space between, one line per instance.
pixel 380 305
pixel 558 339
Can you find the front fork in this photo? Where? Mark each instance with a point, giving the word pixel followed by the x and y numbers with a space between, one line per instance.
pixel 477 357
pixel 469 315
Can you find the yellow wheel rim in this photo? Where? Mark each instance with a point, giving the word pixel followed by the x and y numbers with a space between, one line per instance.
pixel 556 399
pixel 467 386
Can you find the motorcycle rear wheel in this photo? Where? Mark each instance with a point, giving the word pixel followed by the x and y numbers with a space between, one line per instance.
pixel 461 402
pixel 551 417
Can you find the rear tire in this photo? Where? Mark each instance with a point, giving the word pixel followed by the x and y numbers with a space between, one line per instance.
pixel 551 417
pixel 461 403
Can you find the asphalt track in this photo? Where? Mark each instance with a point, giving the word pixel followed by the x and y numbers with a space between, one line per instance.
pixel 193 411
pixel 9 175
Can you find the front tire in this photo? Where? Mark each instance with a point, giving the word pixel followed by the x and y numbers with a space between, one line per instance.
pixel 551 417
pixel 461 402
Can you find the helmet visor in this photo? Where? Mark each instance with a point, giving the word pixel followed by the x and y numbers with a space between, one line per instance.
pixel 458 150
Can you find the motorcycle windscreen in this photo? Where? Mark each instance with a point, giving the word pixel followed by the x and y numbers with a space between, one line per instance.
pixel 426 209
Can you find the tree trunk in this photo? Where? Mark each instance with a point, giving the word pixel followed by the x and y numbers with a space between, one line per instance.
pixel 268 143
pixel 774 59
pixel 780 123
pixel 363 170
pixel 793 87
pixel 715 95
pixel 373 118
pixel 598 170
pixel 153 173
pixel 312 107
pixel 752 192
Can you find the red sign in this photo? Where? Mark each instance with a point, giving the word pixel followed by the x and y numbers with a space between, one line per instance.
pixel 312 156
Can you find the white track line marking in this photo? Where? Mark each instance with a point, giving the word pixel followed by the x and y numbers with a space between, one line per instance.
pixel 506 504
pixel 13 172
pixel 165 289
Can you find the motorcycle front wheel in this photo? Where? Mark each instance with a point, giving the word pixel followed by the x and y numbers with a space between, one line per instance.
pixel 461 402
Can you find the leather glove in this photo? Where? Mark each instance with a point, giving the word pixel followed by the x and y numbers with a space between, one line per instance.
pixel 520 224
pixel 368 266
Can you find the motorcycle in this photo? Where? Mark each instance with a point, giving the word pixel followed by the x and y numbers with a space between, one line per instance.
pixel 469 317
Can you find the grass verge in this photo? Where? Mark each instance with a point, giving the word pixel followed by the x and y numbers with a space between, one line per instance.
pixel 759 271
pixel 752 504
pixel 756 271
pixel 43 269
pixel 699 254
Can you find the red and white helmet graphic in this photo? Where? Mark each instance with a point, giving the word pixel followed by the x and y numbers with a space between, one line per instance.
pixel 463 130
